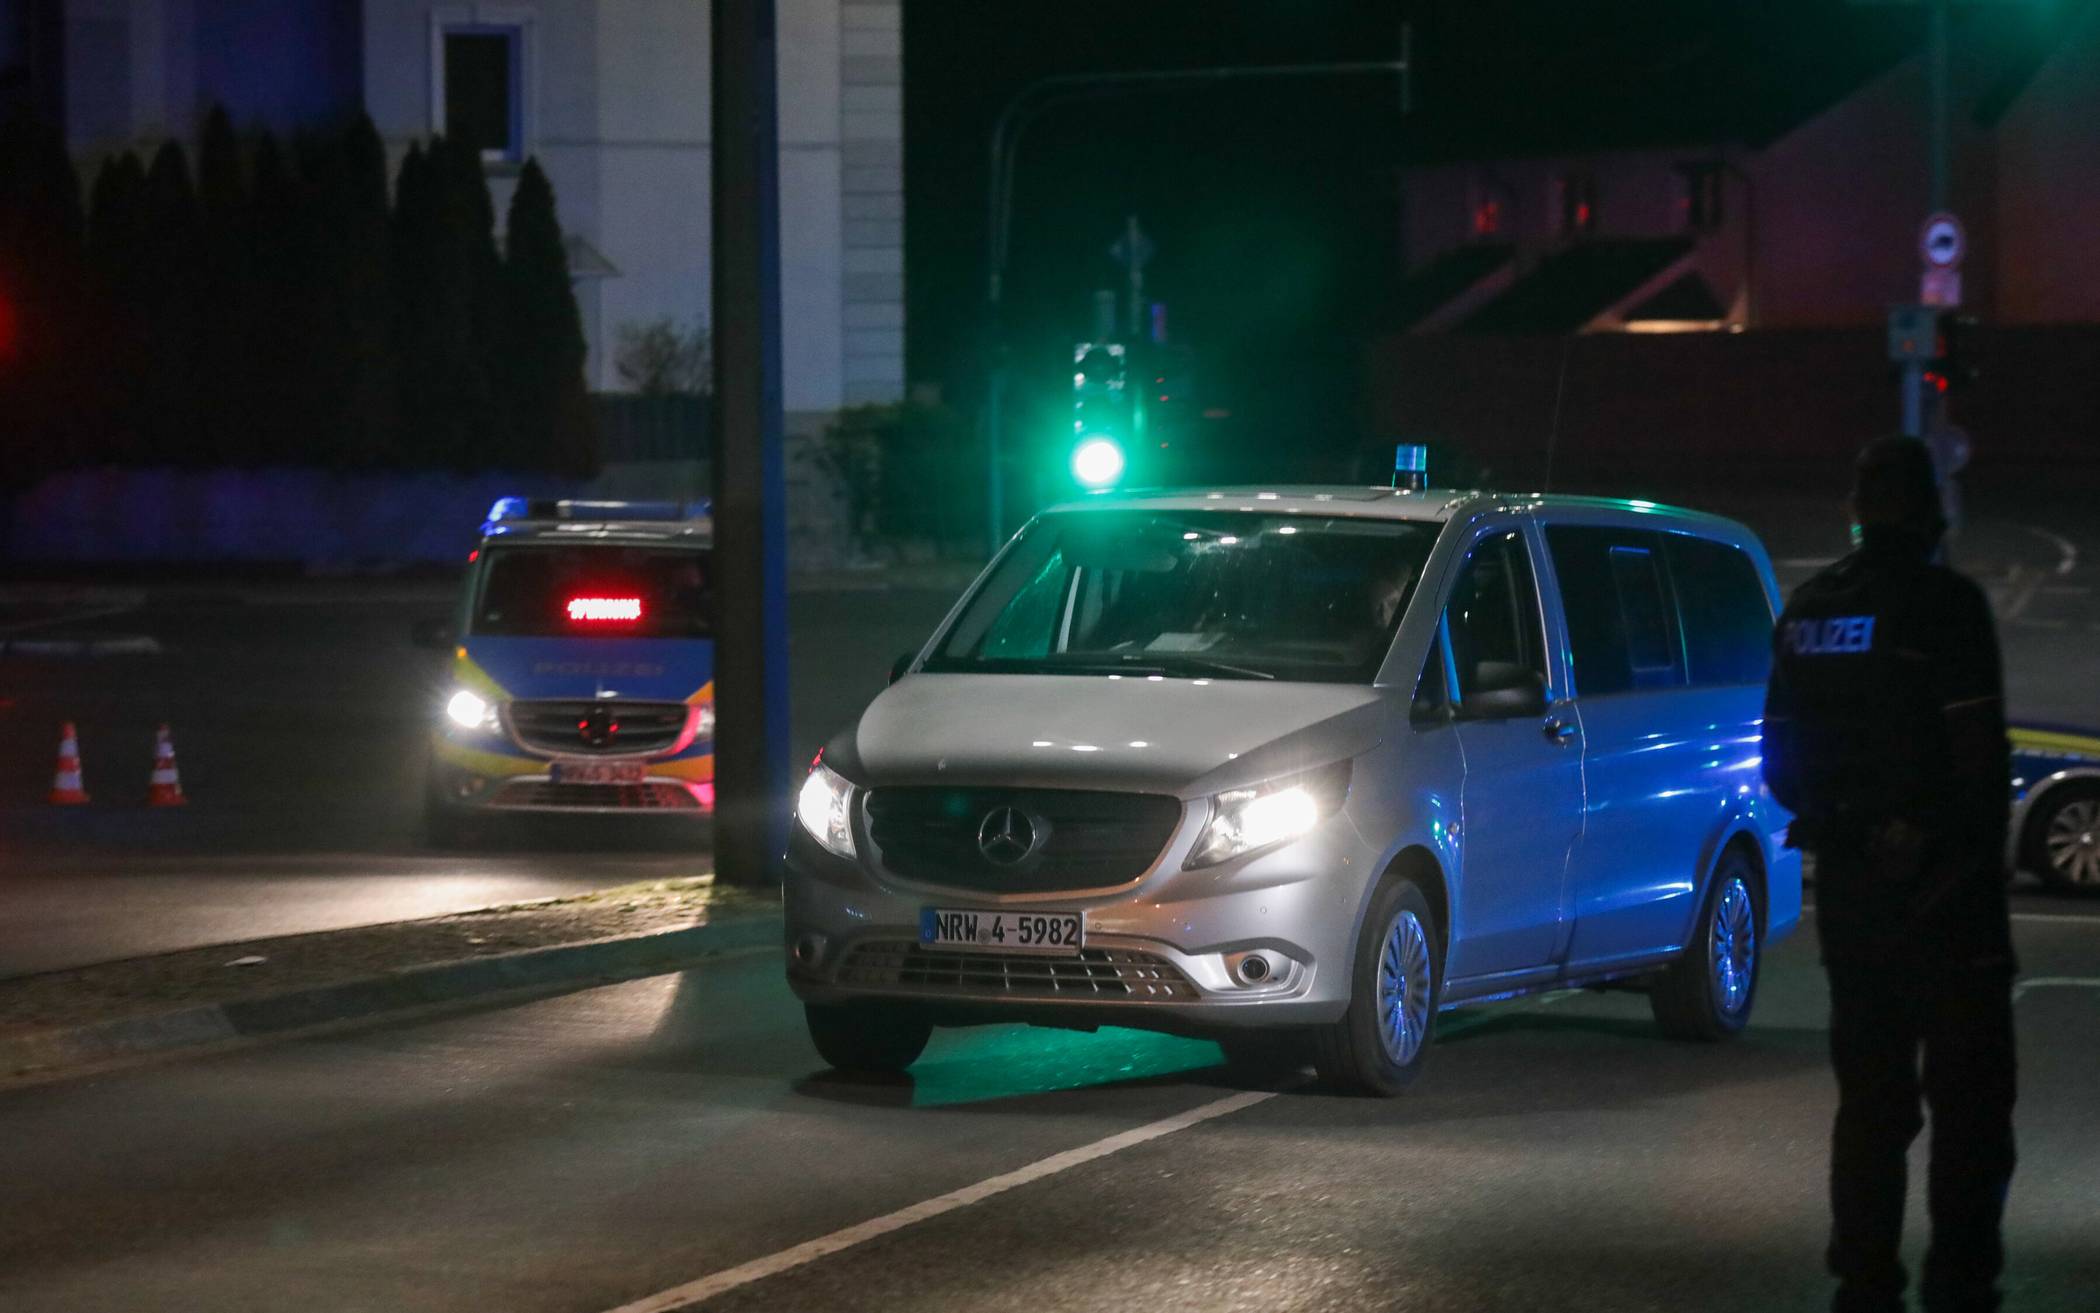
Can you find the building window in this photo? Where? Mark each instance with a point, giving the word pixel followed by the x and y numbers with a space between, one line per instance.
pixel 1578 204
pixel 482 89
pixel 1700 204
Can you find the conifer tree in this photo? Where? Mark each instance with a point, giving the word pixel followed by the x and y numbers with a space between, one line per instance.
pixel 170 262
pixel 226 381
pixel 543 343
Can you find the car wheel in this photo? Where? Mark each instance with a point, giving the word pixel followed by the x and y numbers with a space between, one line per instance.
pixel 867 1038
pixel 1379 1045
pixel 1708 992
pixel 2063 839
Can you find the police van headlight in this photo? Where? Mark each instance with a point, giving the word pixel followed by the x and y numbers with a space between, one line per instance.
pixel 470 710
pixel 825 808
pixel 1276 811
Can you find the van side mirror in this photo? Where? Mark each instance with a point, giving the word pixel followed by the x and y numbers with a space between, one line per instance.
pixel 433 635
pixel 901 666
pixel 1504 690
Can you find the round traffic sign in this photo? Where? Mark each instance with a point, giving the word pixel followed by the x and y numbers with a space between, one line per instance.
pixel 1942 241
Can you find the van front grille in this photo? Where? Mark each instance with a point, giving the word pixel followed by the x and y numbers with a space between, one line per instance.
pixel 578 728
pixel 1071 839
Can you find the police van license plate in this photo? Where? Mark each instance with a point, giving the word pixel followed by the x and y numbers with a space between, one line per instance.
pixel 567 771
pixel 1004 932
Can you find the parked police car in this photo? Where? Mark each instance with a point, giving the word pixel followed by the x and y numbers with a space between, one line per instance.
pixel 1306 765
pixel 2056 806
pixel 582 670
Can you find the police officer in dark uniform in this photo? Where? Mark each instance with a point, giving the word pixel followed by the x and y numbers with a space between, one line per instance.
pixel 1885 735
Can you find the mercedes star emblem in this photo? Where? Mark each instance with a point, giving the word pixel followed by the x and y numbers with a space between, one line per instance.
pixel 1006 837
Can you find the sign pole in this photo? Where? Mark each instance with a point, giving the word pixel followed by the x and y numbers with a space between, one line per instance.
pixel 752 779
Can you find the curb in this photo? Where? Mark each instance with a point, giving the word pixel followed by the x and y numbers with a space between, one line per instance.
pixel 557 969
pixel 128 645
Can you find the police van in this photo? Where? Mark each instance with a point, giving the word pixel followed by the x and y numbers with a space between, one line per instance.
pixel 581 674
pixel 1300 768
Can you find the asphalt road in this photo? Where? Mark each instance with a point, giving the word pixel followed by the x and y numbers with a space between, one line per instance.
pixel 580 1154
pixel 299 711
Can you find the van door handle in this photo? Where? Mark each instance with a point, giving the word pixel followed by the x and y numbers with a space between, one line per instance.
pixel 1560 731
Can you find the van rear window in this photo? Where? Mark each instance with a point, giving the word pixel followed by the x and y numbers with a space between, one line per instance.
pixel 572 590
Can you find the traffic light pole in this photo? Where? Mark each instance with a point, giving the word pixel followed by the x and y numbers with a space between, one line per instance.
pixel 1028 105
pixel 752 777
pixel 1938 17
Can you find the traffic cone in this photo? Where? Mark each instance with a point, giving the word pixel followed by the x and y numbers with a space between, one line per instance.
pixel 66 790
pixel 165 788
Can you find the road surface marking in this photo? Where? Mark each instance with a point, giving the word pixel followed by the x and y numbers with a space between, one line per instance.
pixel 2066 550
pixel 758 1269
pixel 2055 982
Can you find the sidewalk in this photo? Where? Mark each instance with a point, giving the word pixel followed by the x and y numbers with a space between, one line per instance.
pixel 92 1018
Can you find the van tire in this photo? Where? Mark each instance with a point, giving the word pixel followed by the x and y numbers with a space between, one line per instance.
pixel 1695 999
pixel 880 1039
pixel 1352 1054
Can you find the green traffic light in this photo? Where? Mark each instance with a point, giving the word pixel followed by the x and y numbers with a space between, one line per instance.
pixel 1097 463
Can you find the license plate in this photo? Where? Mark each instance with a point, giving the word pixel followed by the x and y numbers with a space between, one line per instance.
pixel 596 772
pixel 1004 932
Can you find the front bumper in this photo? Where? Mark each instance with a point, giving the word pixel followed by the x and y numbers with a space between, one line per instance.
pixel 498 777
pixel 1162 953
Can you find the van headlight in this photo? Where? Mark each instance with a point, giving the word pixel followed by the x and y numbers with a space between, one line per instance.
pixel 1276 811
pixel 470 710
pixel 825 808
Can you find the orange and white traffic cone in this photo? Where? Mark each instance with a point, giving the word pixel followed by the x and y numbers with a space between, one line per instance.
pixel 66 789
pixel 165 788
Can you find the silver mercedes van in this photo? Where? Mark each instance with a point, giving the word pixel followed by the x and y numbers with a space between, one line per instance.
pixel 1300 768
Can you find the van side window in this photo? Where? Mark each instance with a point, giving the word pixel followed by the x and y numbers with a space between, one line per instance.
pixel 1727 616
pixel 1652 651
pixel 1432 696
pixel 1494 615
pixel 1622 620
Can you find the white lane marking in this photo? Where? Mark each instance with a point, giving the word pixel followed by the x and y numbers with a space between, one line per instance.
pixel 2054 982
pixel 2066 550
pixel 758 1269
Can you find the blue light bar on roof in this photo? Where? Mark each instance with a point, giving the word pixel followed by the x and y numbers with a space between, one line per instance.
pixel 509 508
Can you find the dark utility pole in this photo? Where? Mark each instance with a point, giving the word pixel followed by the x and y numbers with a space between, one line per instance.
pixel 752 793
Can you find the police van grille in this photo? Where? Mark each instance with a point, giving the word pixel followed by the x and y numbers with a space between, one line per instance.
pixel 1087 840
pixel 553 726
pixel 1092 974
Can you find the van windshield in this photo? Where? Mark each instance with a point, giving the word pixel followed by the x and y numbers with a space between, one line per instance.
pixel 1204 594
pixel 599 590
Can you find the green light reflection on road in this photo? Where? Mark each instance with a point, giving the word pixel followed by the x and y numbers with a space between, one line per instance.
pixel 979 1064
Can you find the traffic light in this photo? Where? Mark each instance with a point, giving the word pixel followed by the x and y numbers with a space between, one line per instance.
pixel 1950 370
pixel 1101 414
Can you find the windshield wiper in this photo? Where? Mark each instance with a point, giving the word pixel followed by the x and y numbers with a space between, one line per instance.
pixel 1208 665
